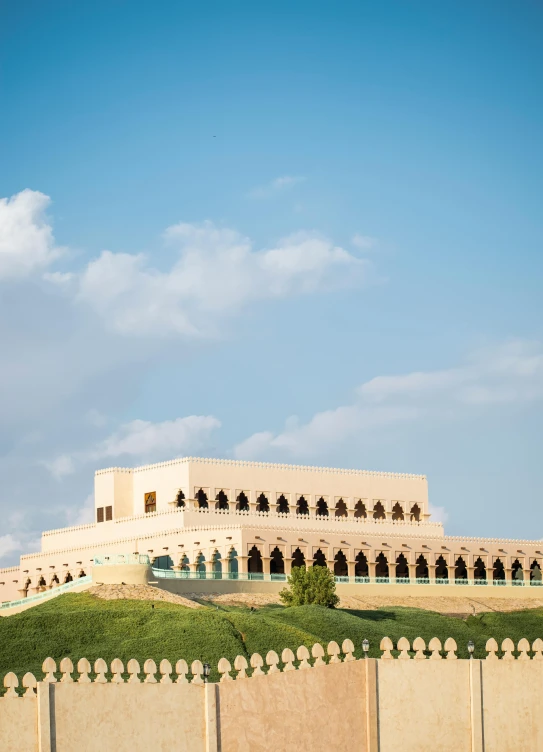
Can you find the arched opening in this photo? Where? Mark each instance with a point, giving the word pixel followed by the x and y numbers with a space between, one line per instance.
pixel 201 566
pixel 442 571
pixel 262 504
pixel 222 500
pixel 201 498
pixel 254 562
pixel 27 585
pixel 498 572
pixel 41 582
pixel 82 573
pixel 302 506
pixel 421 571
pixel 233 564
pixel 379 512
pixel 55 581
pixel 68 578
pixel 535 572
pixel 340 565
pixel 415 513
pixel 282 505
pixel 163 562
pixel 397 512
pixel 180 499
pixel 277 562
pixel 322 507
pixel 341 509
pixel 479 571
pixel 319 559
pixel 217 566
pixel 360 509
pixel 185 564
pixel 361 568
pixel 517 573
pixel 381 566
pixel 298 559
pixel 242 502
pixel 461 571
pixel 402 568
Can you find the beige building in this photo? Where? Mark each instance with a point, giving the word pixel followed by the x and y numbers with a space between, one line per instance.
pixel 250 522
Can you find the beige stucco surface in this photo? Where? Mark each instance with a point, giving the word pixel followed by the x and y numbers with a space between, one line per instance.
pixel 512 717
pixel 425 704
pixel 129 717
pixel 319 710
pixel 18 725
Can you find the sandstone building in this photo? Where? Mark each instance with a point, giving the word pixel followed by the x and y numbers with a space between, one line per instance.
pixel 244 525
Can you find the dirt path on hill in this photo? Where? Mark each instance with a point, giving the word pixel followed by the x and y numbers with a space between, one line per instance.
pixel 139 593
pixel 451 606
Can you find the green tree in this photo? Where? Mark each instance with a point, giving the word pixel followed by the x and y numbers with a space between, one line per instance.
pixel 313 585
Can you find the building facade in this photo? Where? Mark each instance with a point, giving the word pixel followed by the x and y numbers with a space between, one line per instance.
pixel 207 518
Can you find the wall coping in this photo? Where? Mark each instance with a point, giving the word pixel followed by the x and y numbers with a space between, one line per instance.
pixel 263 465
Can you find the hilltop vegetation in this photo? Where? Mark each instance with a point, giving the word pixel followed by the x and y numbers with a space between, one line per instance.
pixel 81 625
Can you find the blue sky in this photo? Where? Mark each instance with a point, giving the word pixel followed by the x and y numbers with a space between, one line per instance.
pixel 299 232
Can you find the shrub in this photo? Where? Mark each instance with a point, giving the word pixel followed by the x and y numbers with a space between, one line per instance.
pixel 315 585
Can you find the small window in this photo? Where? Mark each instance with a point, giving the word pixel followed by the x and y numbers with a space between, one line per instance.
pixel 150 502
pixel 100 514
pixel 109 514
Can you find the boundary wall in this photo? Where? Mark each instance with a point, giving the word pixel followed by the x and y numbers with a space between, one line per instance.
pixel 423 700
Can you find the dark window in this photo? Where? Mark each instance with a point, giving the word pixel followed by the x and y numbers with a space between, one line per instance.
pixel 201 498
pixel 221 500
pixel 340 565
pixel 100 514
pixel 298 559
pixel 341 509
pixel 242 503
pixel 322 507
pixel 150 502
pixel 180 499
pixel 262 504
pixel 303 506
pixel 109 514
pixel 282 505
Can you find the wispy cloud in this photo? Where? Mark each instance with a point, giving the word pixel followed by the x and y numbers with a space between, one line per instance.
pixel 511 373
pixel 217 273
pixel 364 242
pixel 142 440
pixel 276 186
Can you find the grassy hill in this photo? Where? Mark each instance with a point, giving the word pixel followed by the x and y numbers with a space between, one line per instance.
pixel 80 625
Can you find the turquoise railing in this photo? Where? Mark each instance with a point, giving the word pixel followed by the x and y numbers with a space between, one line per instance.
pixel 58 590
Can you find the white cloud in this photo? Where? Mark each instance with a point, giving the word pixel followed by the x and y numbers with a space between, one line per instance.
pixel 60 466
pixel 439 514
pixel 26 237
pixel 8 544
pixel 278 185
pixel 143 440
pixel 217 273
pixel 510 373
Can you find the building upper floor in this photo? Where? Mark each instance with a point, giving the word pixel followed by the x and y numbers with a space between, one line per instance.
pixel 230 485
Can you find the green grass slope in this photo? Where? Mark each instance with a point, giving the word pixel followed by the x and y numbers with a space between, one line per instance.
pixel 80 625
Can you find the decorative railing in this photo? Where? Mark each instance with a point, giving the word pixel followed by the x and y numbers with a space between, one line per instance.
pixel 121 559
pixel 58 590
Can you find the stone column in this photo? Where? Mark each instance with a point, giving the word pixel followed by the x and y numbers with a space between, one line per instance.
pixel 371 568
pixel 508 575
pixel 412 572
pixel 266 564
pixel 351 565
pixel 288 565
pixel 471 570
pixel 432 572
pixel 242 565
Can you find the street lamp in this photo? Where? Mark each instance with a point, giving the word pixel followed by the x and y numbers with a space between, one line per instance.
pixel 471 648
pixel 365 647
pixel 207 671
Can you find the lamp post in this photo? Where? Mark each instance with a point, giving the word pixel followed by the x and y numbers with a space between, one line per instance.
pixel 471 649
pixel 365 647
pixel 207 671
